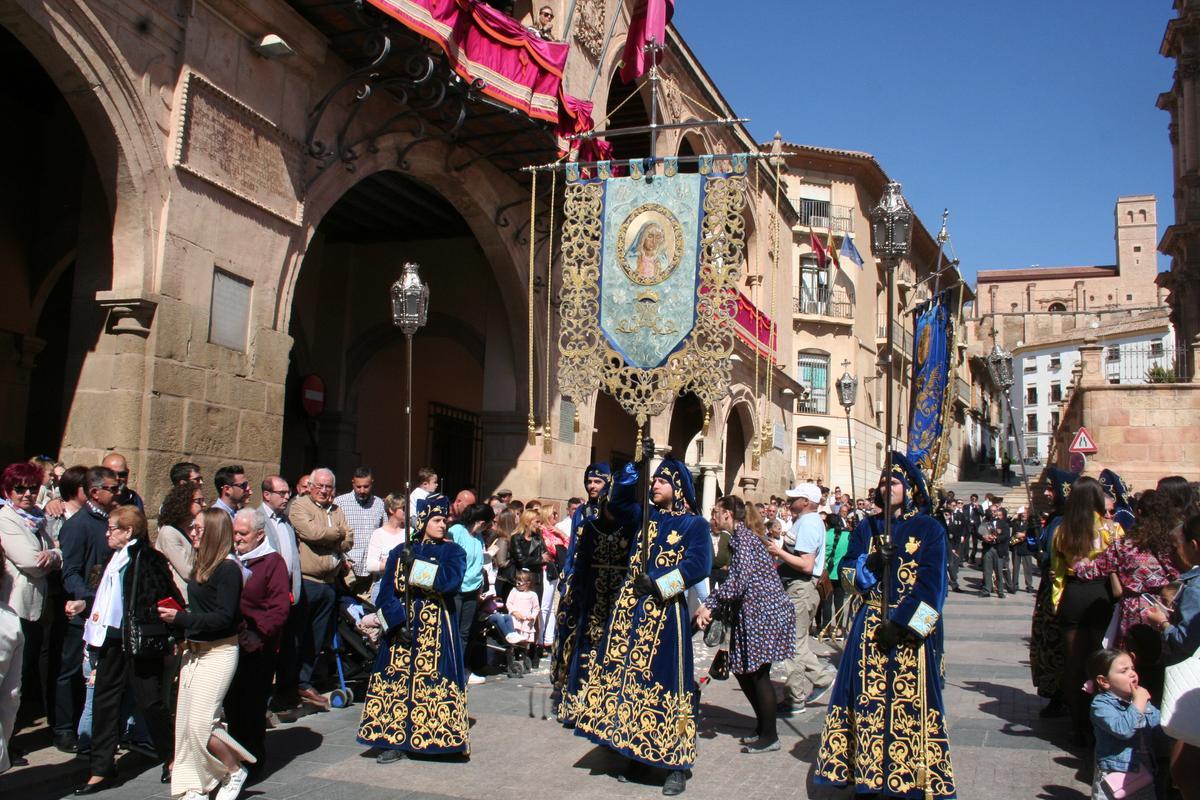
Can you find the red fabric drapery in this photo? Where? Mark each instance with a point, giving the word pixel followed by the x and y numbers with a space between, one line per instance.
pixel 517 68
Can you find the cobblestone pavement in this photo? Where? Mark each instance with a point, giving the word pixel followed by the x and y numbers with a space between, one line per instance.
pixel 1000 747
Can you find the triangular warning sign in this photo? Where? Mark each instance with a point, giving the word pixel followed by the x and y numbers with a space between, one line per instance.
pixel 1082 443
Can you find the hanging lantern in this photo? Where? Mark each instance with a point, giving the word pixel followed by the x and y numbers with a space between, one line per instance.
pixel 891 225
pixel 410 300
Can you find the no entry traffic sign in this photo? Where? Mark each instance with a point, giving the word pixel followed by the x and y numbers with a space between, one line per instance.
pixel 312 395
pixel 1083 442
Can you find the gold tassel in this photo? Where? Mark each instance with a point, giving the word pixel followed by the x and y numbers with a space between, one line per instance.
pixel 577 419
pixel 637 447
pixel 532 431
pixel 707 420
pixel 547 440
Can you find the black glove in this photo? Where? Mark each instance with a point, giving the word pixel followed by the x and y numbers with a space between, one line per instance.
pixel 407 557
pixel 403 635
pixel 890 634
pixel 644 586
pixel 875 564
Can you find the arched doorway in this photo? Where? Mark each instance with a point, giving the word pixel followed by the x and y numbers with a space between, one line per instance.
pixel 687 421
pixel 615 433
pixel 739 430
pixel 342 331
pixel 627 111
pixel 55 254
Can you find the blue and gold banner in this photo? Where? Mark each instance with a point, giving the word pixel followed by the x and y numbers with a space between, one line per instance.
pixel 650 274
pixel 649 277
pixel 932 381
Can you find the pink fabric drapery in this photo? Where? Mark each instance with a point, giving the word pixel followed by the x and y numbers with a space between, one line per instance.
pixel 757 329
pixel 649 20
pixel 517 68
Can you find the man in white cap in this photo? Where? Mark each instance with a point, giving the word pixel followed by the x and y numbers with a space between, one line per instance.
pixel 800 568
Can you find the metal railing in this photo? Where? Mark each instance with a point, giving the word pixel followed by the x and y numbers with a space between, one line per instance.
pixel 813 372
pixel 824 214
pixel 1143 363
pixel 825 304
pixel 963 391
pixel 902 337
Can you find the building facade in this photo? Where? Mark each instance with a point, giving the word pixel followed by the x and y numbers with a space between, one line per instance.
pixel 1181 241
pixel 204 226
pixel 839 320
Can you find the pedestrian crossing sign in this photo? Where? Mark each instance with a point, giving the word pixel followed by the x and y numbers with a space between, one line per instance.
pixel 1083 442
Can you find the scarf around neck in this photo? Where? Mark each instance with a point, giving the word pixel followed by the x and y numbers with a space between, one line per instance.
pixel 109 606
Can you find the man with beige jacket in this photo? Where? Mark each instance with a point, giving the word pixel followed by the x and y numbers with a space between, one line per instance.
pixel 323 536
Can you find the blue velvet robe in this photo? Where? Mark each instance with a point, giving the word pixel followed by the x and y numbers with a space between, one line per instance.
pixel 597 565
pixel 416 697
pixel 885 731
pixel 640 698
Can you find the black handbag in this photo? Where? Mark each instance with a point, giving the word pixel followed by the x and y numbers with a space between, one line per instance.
pixel 144 639
pixel 719 670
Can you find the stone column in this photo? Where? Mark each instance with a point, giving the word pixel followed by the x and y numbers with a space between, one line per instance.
pixel 1090 360
pixel 1196 359
pixel 708 487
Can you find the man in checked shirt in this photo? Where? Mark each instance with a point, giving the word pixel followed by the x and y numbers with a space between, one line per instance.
pixel 366 513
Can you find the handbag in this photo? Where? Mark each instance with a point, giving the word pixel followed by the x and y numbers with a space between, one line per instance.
pixel 144 639
pixel 1126 784
pixel 714 635
pixel 1181 701
pixel 824 587
pixel 719 670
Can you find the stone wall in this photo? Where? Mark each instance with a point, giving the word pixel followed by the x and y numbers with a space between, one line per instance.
pixel 1143 432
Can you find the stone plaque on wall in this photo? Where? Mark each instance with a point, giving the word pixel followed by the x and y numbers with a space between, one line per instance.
pixel 229 312
pixel 229 145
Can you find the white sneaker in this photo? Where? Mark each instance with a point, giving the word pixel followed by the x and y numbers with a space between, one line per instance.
pixel 193 795
pixel 513 638
pixel 233 786
pixel 475 680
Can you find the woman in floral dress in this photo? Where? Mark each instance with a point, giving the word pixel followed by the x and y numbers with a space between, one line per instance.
pixel 764 619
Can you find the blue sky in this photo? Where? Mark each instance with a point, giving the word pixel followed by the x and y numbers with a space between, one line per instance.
pixel 1025 119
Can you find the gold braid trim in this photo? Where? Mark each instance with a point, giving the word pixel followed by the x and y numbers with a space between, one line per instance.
pixel 532 248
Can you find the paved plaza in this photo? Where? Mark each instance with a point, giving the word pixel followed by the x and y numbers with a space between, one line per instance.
pixel 1000 746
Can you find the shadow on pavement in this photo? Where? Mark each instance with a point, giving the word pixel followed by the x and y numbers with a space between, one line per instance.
pixel 285 744
pixel 1019 710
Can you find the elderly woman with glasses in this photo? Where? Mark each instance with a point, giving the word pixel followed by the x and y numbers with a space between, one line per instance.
pixel 29 556
pixel 127 644
pixel 175 538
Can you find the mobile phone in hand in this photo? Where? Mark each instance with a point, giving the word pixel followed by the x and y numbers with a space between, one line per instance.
pixel 1153 602
pixel 170 602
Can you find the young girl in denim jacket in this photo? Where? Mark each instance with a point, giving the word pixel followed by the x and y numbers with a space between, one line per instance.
pixel 1123 720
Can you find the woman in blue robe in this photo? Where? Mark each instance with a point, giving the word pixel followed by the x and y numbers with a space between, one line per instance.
pixel 416 698
pixel 597 563
pixel 640 699
pixel 885 731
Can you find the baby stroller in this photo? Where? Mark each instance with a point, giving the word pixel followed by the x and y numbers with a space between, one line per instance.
pixel 516 656
pixel 352 653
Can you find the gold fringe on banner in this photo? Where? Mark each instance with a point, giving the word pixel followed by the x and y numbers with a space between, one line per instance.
pixel 768 438
pixel 547 438
pixel 532 246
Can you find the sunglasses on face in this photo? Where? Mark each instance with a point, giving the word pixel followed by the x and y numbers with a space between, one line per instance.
pixel 110 489
pixel 547 15
pixel 123 474
pixel 244 485
pixel 21 489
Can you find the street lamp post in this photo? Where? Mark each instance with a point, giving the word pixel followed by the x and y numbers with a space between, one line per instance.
pixel 847 389
pixel 891 232
pixel 410 309
pixel 1000 368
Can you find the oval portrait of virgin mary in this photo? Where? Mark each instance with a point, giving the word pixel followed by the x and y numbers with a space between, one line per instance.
pixel 650 244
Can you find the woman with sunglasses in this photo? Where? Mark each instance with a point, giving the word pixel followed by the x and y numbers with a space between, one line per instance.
pixel 176 539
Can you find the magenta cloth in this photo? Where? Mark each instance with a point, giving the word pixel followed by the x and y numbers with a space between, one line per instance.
pixel 648 21
pixel 517 68
pixel 1139 572
pixel 759 330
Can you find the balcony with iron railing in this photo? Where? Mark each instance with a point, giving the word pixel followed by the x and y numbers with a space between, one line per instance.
pixel 830 306
pixel 902 338
pixel 962 392
pixel 825 215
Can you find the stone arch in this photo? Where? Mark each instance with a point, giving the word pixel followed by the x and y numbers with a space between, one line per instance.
pixel 477 208
pixel 92 72
pixel 740 427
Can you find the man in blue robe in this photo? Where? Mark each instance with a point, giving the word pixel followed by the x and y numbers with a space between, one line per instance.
pixel 416 697
pixel 596 567
pixel 885 731
pixel 641 699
